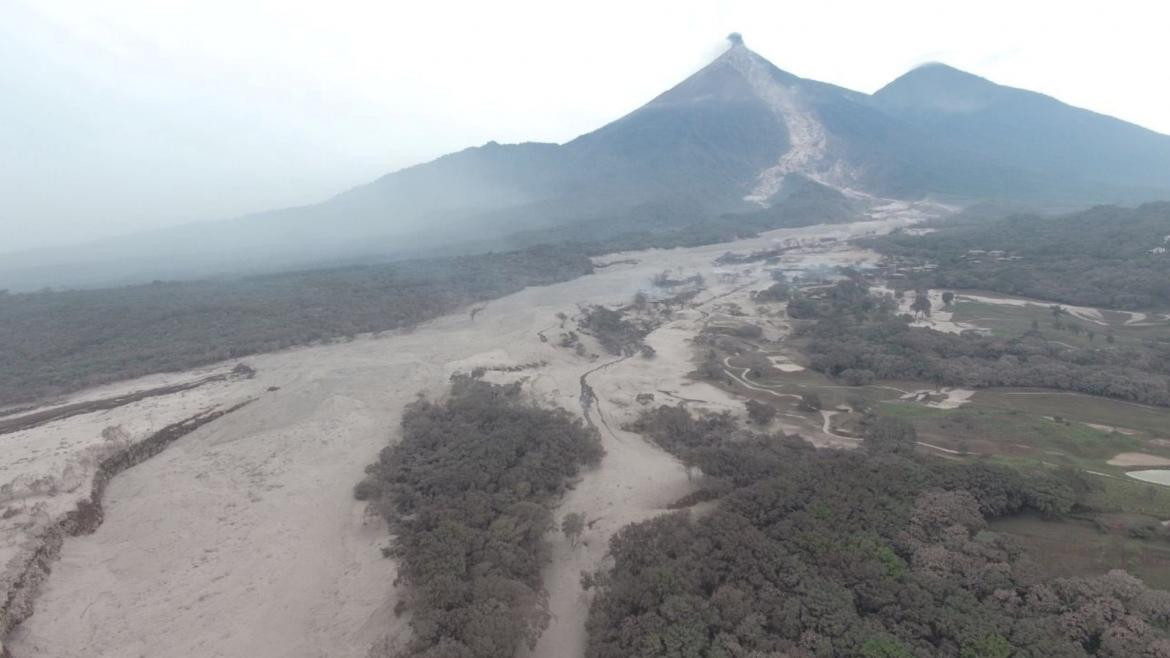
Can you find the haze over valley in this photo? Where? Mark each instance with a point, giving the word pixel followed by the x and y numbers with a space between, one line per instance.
pixel 765 367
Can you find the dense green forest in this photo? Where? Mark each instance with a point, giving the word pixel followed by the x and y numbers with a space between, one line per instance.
pixel 1106 256
pixel 879 553
pixel 467 494
pixel 857 337
pixel 55 342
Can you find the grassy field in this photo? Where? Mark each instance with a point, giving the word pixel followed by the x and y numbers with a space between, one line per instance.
pixel 979 429
pixel 1126 495
pixel 1151 422
pixel 1008 320
pixel 1078 547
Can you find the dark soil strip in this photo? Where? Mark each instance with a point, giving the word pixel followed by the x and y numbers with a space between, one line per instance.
pixel 20 593
pixel 57 413
pixel 624 261
pixel 16 410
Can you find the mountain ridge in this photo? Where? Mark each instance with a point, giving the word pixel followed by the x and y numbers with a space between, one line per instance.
pixel 723 140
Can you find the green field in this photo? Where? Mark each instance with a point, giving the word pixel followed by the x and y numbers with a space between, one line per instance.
pixel 1079 547
pixel 1151 422
pixel 986 430
pixel 1008 320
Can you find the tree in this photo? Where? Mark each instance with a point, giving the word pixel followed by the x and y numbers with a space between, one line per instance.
pixel 777 292
pixel 760 413
pixel 948 297
pixel 921 305
pixel 857 376
pixel 884 646
pixel 992 645
pixel 573 525
pixel 888 434
pixel 711 367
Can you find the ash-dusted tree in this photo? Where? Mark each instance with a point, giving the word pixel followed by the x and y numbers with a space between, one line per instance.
pixel 887 434
pixel 921 304
pixel 760 413
pixel 572 526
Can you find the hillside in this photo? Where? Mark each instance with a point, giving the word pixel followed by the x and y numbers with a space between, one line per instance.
pixel 1060 147
pixel 1105 256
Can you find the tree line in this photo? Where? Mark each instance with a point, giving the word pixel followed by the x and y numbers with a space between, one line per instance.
pixel 1106 256
pixel 59 341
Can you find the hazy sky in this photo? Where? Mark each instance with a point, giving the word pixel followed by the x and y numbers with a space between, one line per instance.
pixel 120 115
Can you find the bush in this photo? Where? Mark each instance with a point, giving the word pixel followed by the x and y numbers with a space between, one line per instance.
pixel 760 413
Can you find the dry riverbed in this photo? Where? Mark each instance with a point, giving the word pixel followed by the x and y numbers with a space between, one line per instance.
pixel 243 537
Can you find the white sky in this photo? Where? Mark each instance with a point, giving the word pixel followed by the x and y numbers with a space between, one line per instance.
pixel 120 115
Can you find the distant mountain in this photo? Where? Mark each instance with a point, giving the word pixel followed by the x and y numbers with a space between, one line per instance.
pixel 729 139
pixel 1064 152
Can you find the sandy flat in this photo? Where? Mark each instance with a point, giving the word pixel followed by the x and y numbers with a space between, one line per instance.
pixel 243 538
pixel 1155 476
pixel 46 470
pixel 1137 459
pixel 785 364
pixel 1113 428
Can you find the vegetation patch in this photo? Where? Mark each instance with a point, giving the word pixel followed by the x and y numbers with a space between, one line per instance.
pixel 467 494
pixel 614 331
pixel 857 337
pixel 875 552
